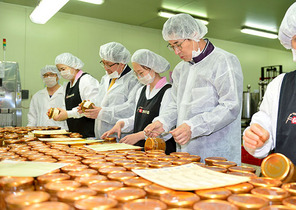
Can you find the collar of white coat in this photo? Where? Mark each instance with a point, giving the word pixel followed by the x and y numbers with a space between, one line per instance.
pixel 60 90
pixel 124 72
pixel 119 81
pixel 78 75
pixel 204 53
pixel 162 82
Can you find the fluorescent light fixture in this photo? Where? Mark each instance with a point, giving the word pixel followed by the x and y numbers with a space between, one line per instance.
pixel 93 1
pixel 168 14
pixel 46 9
pixel 259 32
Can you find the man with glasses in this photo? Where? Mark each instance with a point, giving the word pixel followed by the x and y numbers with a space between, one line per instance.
pixel 206 94
pixel 51 96
pixel 117 89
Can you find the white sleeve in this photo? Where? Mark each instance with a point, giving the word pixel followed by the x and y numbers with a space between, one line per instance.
pixel 89 90
pixel 267 116
pixel 33 111
pixel 116 112
pixel 168 116
pixel 163 106
pixel 129 122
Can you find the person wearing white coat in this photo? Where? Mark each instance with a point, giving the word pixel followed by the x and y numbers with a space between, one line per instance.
pixel 272 128
pixel 49 97
pixel 206 94
pixel 81 86
pixel 117 89
pixel 151 99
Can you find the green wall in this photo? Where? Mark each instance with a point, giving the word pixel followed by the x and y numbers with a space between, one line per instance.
pixel 34 46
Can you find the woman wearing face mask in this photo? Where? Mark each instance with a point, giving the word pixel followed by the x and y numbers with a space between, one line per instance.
pixel 273 126
pixel 81 86
pixel 51 96
pixel 151 99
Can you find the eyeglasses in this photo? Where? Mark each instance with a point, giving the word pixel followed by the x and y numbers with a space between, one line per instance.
pixel 176 46
pixel 49 75
pixel 106 65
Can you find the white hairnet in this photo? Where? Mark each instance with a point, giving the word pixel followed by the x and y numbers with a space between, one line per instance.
pixel 50 68
pixel 115 52
pixel 150 59
pixel 183 26
pixel 69 60
pixel 288 27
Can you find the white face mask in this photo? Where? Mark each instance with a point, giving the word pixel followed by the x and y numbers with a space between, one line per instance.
pixel 67 74
pixel 147 79
pixel 113 75
pixel 50 81
pixel 294 54
pixel 196 53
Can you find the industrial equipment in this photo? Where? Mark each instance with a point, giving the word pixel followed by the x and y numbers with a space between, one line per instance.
pixel 10 94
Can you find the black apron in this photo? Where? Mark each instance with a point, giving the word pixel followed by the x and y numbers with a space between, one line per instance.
pixel 146 111
pixel 286 123
pixel 84 126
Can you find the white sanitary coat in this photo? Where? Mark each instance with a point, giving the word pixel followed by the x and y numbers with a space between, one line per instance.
pixel 40 104
pixel 129 122
pixel 208 96
pixel 267 116
pixel 117 103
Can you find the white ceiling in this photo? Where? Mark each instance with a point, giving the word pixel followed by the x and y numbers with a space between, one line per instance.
pixel 226 17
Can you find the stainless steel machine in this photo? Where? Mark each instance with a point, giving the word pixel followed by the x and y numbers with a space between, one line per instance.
pixel 252 101
pixel 10 94
pixel 249 107
pixel 268 73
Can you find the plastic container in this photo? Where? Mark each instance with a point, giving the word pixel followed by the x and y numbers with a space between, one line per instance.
pixel 48 206
pixel 52 177
pixel 22 199
pixel 103 187
pixel 179 199
pixel 290 187
pixel 95 202
pixel 209 160
pixel 248 201
pixel 214 205
pixel 12 185
pixel 265 182
pixel 144 204
pixel 215 193
pixel 279 167
pixel 70 196
pixel 275 195
pixel 137 182
pixel 126 194
pixel 290 202
pixel 154 191
pixel 154 144
pixel 240 188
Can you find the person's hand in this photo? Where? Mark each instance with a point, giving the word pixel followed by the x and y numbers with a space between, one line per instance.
pixel 79 109
pixel 116 129
pixel 47 113
pixel 255 136
pixel 92 113
pixel 154 129
pixel 132 138
pixel 182 134
pixel 63 115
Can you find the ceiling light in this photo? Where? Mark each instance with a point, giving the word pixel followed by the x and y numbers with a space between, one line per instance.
pixel 168 14
pixel 93 1
pixel 259 32
pixel 46 9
